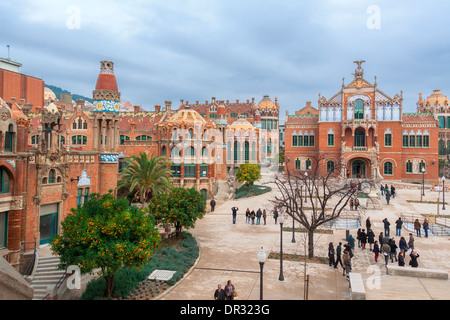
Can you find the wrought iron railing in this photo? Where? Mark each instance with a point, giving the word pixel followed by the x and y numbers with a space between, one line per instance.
pixel 32 261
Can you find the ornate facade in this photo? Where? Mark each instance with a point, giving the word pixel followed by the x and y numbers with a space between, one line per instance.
pixel 365 133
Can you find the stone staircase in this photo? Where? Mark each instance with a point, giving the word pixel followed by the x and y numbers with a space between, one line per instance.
pixel 47 276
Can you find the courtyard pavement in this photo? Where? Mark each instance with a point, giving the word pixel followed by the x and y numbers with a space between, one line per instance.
pixel 229 252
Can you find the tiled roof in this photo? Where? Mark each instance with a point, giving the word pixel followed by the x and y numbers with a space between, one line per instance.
pixel 418 117
pixel 302 119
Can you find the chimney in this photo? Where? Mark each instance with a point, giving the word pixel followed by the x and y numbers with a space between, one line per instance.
pixel 248 101
pixel 80 104
pixel 228 101
pixel 253 100
pixel 168 105
pixel 237 101
pixel 13 100
pixel 157 108
pixel 22 102
pixel 136 109
pixel 196 102
pixel 308 104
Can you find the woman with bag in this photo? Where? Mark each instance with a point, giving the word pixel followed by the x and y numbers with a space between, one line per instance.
pixel 230 291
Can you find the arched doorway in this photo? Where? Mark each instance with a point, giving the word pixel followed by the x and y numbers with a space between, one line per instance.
pixel 359 169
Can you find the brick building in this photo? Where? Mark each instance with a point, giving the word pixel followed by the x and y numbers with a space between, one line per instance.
pixel 365 133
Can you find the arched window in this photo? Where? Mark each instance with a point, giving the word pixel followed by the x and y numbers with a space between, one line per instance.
pixel 409 167
pixel 204 152
pixel 236 151
pixel 190 152
pixel 175 152
pixel 360 139
pixel 80 123
pixel 164 151
pixel 269 146
pixel 308 165
pixel 297 164
pixel 441 147
pixel 246 151
pixel 51 176
pixel 388 168
pixel 9 138
pixel 330 167
pixel 359 109
pixel 5 181
pixel 191 134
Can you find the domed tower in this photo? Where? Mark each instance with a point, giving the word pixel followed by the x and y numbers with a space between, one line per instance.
pixel 269 136
pixel 106 98
pixel 221 120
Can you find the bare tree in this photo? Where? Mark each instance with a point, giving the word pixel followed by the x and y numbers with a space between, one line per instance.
pixel 298 190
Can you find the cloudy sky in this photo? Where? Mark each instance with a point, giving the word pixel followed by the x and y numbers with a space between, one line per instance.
pixel 198 49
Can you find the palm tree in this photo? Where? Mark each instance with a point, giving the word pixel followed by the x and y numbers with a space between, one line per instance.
pixel 146 177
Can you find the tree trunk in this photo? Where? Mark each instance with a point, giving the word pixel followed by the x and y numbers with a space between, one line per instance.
pixel 178 228
pixel 311 243
pixel 109 285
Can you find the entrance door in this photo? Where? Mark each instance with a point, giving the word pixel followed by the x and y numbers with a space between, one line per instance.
pixel 358 169
pixel 48 222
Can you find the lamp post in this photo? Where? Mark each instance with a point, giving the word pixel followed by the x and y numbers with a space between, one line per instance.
pixel 443 192
pixel 306 186
pixel 281 277
pixel 293 229
pixel 261 259
pixel 423 182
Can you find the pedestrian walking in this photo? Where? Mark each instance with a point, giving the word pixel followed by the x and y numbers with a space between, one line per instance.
pixel 382 190
pixel 380 238
pixel 368 224
pixel 370 239
pixel 358 237
pixel 393 253
pixel 351 241
pixel 351 204
pixel 411 242
pixel 212 204
pixel 338 256
pixel 386 249
pixel 219 294
pixel 376 250
pixel 253 216
pixel 403 246
pixel 247 215
pixel 234 210
pixel 275 215
pixel 264 216
pixel 386 188
pixel 258 216
pixel 229 290
pixel 347 264
pixel 401 259
pixel 417 227
pixel 356 203
pixel 425 227
pixel 331 254
pixel 388 196
pixel 414 256
pixel 393 191
pixel 348 248
pixel 386 227
pixel 398 227
pixel 363 237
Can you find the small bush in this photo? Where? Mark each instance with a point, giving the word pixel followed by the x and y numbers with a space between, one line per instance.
pixel 179 258
pixel 242 192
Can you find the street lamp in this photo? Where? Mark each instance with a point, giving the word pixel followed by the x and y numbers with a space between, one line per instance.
pixel 423 181
pixel 281 277
pixel 306 186
pixel 443 192
pixel 261 259
pixel 293 229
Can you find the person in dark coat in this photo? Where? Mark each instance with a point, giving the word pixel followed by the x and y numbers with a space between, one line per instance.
pixel 219 294
pixel 212 204
pixel 275 215
pixel 258 216
pixel 247 215
pixel 386 227
pixel 393 191
pixel 403 246
pixel 401 259
pixel 382 190
pixel 398 227
pixel 363 237
pixel 338 256
pixel 371 238
pixel 331 254
pixel 358 237
pixel 253 216
pixel 234 210
pixel 229 290
pixel 388 196
pixel 376 250
pixel 413 262
pixel 393 253
pixel 368 224
pixel 426 227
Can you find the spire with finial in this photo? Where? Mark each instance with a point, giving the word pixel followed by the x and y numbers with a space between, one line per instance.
pixel 359 72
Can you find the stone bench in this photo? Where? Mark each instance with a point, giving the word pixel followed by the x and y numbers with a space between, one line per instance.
pixel 357 289
pixel 417 272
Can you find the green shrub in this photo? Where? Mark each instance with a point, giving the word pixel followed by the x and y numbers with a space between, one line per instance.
pixel 242 192
pixel 179 258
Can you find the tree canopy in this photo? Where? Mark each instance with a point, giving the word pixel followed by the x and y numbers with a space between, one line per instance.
pixel 107 234
pixel 249 173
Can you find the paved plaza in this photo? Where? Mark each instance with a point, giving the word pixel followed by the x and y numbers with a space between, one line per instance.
pixel 229 252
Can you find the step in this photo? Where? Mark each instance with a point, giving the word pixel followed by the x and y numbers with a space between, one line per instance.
pixel 48 277
pixel 52 272
pixel 48 263
pixel 49 258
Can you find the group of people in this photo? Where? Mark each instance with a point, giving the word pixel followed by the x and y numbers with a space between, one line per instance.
pixel 227 293
pixel 384 245
pixel 254 217
pixel 388 193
